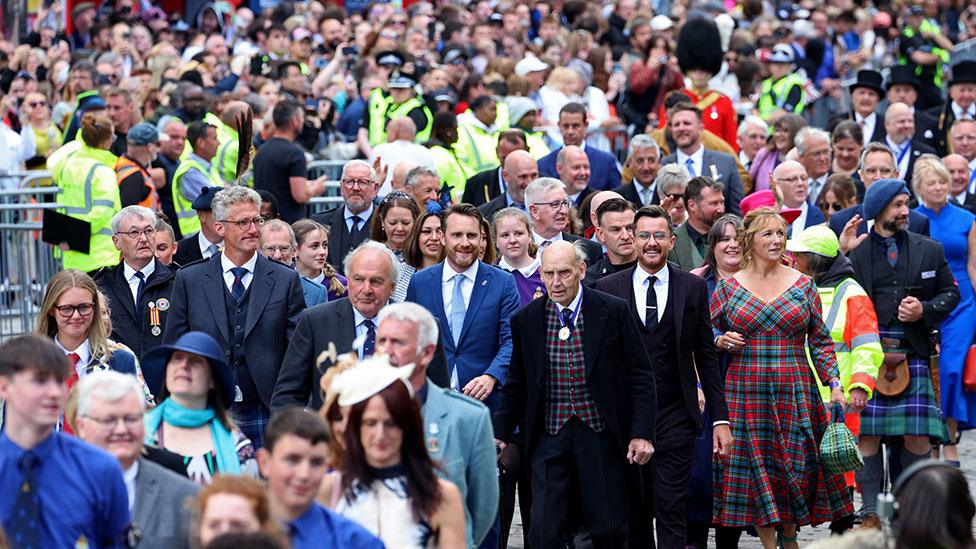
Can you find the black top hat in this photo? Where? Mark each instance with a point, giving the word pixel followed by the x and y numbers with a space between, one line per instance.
pixel 963 72
pixel 869 79
pixel 902 74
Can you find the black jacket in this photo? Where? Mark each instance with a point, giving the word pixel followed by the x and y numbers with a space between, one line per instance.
pixel 474 189
pixel 188 250
pixel 131 326
pixel 340 241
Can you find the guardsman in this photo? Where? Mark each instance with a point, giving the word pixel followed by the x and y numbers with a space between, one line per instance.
pixel 783 91
pixel 135 184
pixel 193 174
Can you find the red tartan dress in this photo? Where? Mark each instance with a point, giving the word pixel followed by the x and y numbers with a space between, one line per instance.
pixel 718 115
pixel 773 472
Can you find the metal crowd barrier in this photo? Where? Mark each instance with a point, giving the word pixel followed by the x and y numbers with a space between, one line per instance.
pixel 332 169
pixel 26 263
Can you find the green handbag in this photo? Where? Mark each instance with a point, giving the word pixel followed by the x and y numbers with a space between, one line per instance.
pixel 838 449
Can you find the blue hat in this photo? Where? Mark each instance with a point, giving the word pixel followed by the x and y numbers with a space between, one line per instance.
pixel 205 198
pixel 155 361
pixel 880 194
pixel 142 134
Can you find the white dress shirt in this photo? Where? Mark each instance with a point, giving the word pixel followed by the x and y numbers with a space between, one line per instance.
pixel 641 190
pixel 867 127
pixel 572 307
pixel 467 285
pixel 539 240
pixel 745 160
pixel 84 353
pixel 526 271
pixel 205 245
pixel 361 329
pixel 130 475
pixel 969 113
pixel 904 159
pixel 640 280
pixel 697 159
pixel 363 216
pixel 227 265
pixel 801 222
pixel 133 280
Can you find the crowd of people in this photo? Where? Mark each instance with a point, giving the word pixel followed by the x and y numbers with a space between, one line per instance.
pixel 624 263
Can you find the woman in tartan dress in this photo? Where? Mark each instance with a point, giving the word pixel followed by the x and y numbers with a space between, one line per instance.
pixel 773 475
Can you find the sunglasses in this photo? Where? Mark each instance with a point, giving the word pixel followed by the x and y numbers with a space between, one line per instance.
pixel 834 207
pixel 34 104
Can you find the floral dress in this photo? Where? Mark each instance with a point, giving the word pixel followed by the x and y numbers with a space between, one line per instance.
pixel 773 472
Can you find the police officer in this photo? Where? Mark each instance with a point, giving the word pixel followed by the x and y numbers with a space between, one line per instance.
pixel 139 287
pixel 783 91
pixel 193 174
pixel 401 99
pixel 131 169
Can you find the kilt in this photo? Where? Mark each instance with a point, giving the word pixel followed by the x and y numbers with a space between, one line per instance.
pixel 252 419
pixel 913 412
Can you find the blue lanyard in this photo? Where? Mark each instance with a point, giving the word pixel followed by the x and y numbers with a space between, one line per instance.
pixel 572 318
pixel 972 179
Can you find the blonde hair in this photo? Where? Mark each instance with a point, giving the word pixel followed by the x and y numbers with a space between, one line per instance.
pixel 752 223
pixel 563 79
pixel 929 165
pixel 47 325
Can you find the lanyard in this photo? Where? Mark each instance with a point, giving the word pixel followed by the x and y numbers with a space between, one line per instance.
pixel 904 150
pixel 572 318
pixel 972 180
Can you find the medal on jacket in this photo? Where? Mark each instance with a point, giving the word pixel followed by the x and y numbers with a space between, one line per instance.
pixel 714 172
pixel 537 294
pixel 154 319
pixel 564 331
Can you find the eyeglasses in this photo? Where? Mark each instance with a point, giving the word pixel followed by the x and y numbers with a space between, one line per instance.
pixel 660 236
pixel 271 250
pixel 68 311
pixel 555 204
pixel 361 183
pixel 245 224
pixel 134 234
pixel 834 207
pixel 34 104
pixel 390 35
pixel 111 421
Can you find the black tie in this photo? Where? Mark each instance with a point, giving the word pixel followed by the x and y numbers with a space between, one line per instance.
pixel 356 220
pixel 142 286
pixel 370 344
pixel 650 318
pixel 568 318
pixel 25 526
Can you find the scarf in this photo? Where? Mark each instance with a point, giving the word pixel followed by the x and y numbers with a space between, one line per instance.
pixel 174 414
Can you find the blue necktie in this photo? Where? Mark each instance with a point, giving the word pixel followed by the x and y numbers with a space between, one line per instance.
pixel 892 250
pixel 237 289
pixel 690 164
pixel 142 286
pixel 213 249
pixel 370 344
pixel 458 309
pixel 568 318
pixel 25 524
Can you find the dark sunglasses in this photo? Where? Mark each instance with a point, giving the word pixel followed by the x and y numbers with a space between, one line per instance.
pixel 833 207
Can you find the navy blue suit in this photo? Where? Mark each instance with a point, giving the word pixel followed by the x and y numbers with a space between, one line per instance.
pixel 275 303
pixel 485 343
pixel 917 223
pixel 604 174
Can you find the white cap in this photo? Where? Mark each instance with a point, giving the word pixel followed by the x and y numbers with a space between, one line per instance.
pixel 368 378
pixel 661 22
pixel 781 54
pixel 530 63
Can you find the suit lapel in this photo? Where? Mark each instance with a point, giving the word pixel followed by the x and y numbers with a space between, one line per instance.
pixel 345 323
pixel 215 279
pixel 626 287
pixel 123 286
pixel 914 257
pixel 535 323
pixel 595 321
pixel 477 296
pixel 147 492
pixel 676 299
pixel 261 286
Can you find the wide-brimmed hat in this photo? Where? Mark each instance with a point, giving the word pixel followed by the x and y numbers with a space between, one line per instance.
pixel 869 79
pixel 367 378
pixel 155 361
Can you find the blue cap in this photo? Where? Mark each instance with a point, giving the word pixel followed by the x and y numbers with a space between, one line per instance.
pixel 203 201
pixel 154 364
pixel 880 194
pixel 142 134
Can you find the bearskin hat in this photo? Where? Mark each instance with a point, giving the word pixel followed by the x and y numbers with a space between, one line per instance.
pixel 700 46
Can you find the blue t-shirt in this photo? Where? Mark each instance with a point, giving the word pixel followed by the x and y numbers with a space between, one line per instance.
pixel 80 488
pixel 319 527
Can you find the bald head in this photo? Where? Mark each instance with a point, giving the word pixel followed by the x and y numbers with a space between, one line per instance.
pixel 573 167
pixel 598 199
pixel 791 178
pixel 399 180
pixel 519 170
pixel 563 266
pixel 958 168
pixel 899 122
pixel 401 129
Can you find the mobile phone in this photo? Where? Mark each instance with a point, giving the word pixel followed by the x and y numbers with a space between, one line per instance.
pixel 349 51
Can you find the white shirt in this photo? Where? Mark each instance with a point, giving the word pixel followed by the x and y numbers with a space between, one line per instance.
pixel 960 114
pixel 801 222
pixel 361 328
pixel 226 265
pixel 744 159
pixel 641 189
pixel 130 475
pixel 394 153
pixel 572 307
pixel 961 197
pixel 697 159
pixel 868 127
pixel 896 149
pixel 526 271
pixel 133 280
pixel 539 240
pixel 205 245
pixel 363 216
pixel 467 285
pixel 84 353
pixel 640 280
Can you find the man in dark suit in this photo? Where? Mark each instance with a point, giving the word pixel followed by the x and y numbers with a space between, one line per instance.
pixel 645 160
pixel 960 106
pixel 573 168
pixel 247 302
pixel 899 124
pixel 487 185
pixel 877 162
pixel 685 124
pixel 204 243
pixel 615 229
pixel 473 303
pixel 959 184
pixel 670 308
pixel 138 288
pixel 519 169
pixel 866 93
pixel 913 290
pixel 572 128
pixel 349 224
pixel 813 152
pixel 549 209
pixel 157 496
pixel 341 323
pixel 903 87
pixel 582 388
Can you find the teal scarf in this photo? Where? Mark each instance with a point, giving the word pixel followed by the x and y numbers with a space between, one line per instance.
pixel 174 414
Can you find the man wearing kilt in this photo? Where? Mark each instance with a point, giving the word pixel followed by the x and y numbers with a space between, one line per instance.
pixel 908 279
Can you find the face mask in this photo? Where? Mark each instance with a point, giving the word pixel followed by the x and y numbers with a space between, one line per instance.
pixel 340 101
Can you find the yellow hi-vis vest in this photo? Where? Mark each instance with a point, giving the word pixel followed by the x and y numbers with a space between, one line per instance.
pixel 89 192
pixel 186 216
pixel 223 165
pixel 772 95
pixel 476 148
pixel 450 170
pixel 382 110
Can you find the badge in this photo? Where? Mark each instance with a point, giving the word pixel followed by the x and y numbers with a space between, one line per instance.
pixel 714 115
pixel 434 428
pixel 564 333
pixel 151 305
pixel 156 331
pixel 162 303
pixel 433 446
pixel 537 294
pixel 715 174
pixel 238 395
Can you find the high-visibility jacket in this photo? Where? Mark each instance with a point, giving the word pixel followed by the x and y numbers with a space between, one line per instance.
pixel 476 147
pixel 186 216
pixel 450 170
pixel 382 110
pixel 124 167
pixel 89 192
pixel 772 95
pixel 853 324
pixel 537 144
pixel 224 163
pixel 927 26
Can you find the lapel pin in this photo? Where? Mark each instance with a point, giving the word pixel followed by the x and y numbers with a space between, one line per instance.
pixel 484 282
